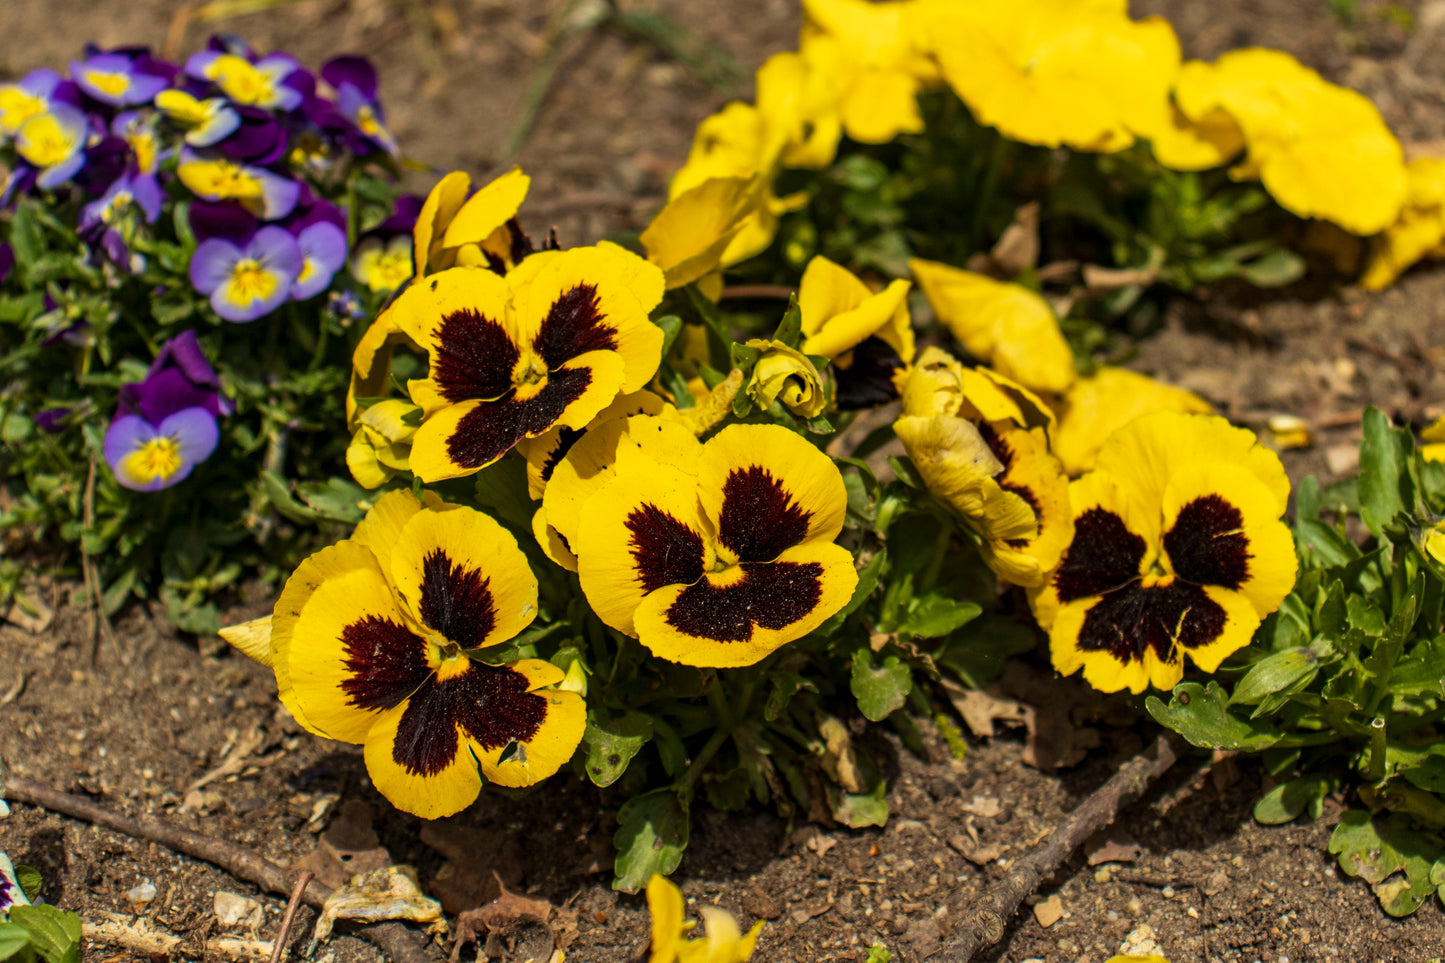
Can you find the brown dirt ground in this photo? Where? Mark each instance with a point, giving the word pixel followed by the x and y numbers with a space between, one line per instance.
pixel 1208 882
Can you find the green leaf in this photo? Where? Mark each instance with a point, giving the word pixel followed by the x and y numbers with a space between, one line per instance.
pixel 880 690
pixel 1201 715
pixel 1376 850
pixel 790 329
pixel 979 655
pixel 1274 678
pixel 30 880
pixel 15 943
pixel 1274 269
pixel 612 745
pixel 857 810
pixel 878 953
pixel 281 499
pixel 1422 671
pixel 652 832
pixel 1382 465
pixel 54 933
pixel 1285 802
pixel 785 686
pixel 671 326
pixel 1428 774
pixel 933 616
pixel 501 491
pixel 336 499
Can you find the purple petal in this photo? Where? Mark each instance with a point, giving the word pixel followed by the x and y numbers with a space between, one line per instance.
pixel 219 125
pixel 40 83
pixel 52 420
pixel 404 215
pixel 167 392
pixel 57 174
pixel 222 219
pixel 200 62
pixel 195 431
pixel 212 263
pixel 278 194
pixel 127 434
pixel 146 191
pixel 323 246
pixel 184 353
pixel 353 71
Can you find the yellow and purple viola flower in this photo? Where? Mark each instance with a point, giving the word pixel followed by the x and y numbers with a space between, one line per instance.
pixel 121 78
pixel 53 142
pixel 1178 550
pixel 247 281
pixel 11 892
pixel 379 640
pixel 247 79
pixel 354 80
pixel 138 130
pixel 320 231
pixel 205 122
pixel 107 222
pixel 552 342
pixel 722 565
pixel 166 424
pixel 32 94
pixel 213 176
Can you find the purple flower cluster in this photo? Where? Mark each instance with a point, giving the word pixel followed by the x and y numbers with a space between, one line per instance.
pixel 235 132
pixel 166 424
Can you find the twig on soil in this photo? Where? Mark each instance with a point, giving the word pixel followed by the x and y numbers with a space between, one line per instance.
pixel 14 691
pixel 993 911
pixel 290 917
pixel 394 939
pixel 143 936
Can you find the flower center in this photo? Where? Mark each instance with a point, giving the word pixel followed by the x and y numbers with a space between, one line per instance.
pixel 1157 580
pixel 242 82
pixel 45 142
pixel 157 458
pixel 250 281
pixel 530 373
pixel 107 82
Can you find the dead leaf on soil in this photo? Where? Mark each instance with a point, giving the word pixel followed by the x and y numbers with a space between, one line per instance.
pixel 1017 249
pixel 392 893
pixel 1050 911
pixel 839 760
pixel 235 910
pixel 234 762
pixel 980 854
pixel 804 913
pixel 348 846
pixel 980 710
pixel 1056 738
pixel 1115 851
pixel 985 806
pixel 513 924
pixel 30 614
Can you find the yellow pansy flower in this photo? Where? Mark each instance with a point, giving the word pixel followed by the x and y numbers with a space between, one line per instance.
pixel 722 941
pixel 788 375
pixel 1095 407
pixel 1419 230
pixel 1177 550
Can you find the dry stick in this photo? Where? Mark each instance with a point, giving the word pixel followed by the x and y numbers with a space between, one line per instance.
pixel 393 939
pixel 992 913
pixel 779 291
pixel 279 946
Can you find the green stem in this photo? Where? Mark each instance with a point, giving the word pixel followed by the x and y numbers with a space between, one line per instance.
pixel 1375 765
pixel 699 762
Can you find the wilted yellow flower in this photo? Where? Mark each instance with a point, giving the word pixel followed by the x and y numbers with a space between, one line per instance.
pixel 1321 150
pixel 1005 325
pixel 1053 72
pixel 381 445
pixel 786 374
pixel 1107 400
pixel 868 51
pixel 456 229
pixel 723 942
pixel 978 442
pixel 1418 232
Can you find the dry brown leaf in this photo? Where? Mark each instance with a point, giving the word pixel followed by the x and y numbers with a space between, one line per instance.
pixel 985 806
pixel 473 857
pixel 348 846
pixel 30 614
pixel 980 710
pixel 839 760
pixel 1114 851
pixel 515 928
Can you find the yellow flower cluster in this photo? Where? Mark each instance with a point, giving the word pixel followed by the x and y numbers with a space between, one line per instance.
pixel 1074 73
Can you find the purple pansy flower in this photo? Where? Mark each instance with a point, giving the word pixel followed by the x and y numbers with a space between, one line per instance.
pixel 138 130
pixel 247 80
pixel 257 138
pixel 247 282
pixel 147 457
pixel 204 121
pixel 354 80
pixel 119 78
pixel 180 377
pixel 11 893
pixel 223 219
pixel 140 191
pixel 52 420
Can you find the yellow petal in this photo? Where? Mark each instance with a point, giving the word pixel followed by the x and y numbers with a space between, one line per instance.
pixel 488 209
pixel 253 638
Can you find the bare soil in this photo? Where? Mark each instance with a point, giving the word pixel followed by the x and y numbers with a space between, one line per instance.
pixel 1187 862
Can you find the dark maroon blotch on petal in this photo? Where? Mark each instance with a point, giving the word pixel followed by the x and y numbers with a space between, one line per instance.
pixel 770 596
pixel 1103 556
pixel 760 520
pixel 385 662
pixel 574 325
pixel 1206 545
pixel 1128 621
pixel 474 358
pixel 490 430
pixel 490 703
pixel 664 550
pixel 456 601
